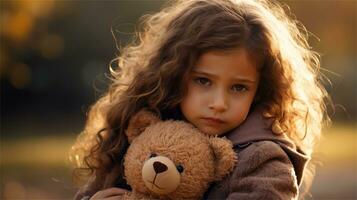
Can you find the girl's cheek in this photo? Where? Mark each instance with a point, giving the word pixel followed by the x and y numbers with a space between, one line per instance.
pixel 203 95
pixel 193 95
pixel 244 103
pixel 197 97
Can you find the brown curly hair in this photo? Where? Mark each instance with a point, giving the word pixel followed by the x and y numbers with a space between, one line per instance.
pixel 153 69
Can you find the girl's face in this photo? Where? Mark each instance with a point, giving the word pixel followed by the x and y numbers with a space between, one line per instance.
pixel 220 90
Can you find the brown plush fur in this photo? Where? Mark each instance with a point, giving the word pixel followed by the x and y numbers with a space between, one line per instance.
pixel 205 159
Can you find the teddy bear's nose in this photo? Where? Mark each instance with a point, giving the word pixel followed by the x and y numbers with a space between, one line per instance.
pixel 159 167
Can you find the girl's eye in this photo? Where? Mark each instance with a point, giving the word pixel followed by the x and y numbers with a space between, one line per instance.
pixel 239 88
pixel 203 81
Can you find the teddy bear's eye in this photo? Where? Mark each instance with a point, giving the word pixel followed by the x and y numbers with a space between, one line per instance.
pixel 179 168
pixel 153 155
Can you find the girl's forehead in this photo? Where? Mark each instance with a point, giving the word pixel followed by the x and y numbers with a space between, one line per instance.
pixel 235 63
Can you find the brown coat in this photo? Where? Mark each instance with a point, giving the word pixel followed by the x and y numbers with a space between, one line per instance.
pixel 269 166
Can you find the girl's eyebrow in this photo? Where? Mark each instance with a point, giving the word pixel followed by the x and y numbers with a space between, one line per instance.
pixel 238 79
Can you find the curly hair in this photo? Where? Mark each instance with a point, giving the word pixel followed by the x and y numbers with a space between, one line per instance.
pixel 153 69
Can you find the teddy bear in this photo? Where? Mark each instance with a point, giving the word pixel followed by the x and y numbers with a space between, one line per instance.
pixel 172 159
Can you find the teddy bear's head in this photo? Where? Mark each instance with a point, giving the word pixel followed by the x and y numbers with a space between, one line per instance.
pixel 173 159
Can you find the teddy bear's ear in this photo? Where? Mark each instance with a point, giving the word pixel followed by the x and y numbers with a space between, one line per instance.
pixel 139 122
pixel 226 158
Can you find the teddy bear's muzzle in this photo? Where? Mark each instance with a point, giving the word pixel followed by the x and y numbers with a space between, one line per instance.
pixel 160 175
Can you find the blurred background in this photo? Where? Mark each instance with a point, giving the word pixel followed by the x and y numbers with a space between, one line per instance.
pixel 54 60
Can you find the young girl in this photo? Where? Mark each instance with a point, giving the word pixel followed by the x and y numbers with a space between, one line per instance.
pixel 235 68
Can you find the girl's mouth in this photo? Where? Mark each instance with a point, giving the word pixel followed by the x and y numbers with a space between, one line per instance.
pixel 213 120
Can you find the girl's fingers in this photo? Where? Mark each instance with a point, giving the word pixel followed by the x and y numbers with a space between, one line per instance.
pixel 109 192
pixel 114 198
pixel 116 191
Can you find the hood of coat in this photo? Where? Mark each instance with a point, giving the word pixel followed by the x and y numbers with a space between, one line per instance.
pixel 257 128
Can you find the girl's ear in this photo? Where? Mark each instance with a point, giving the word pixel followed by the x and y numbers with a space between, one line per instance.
pixel 139 122
pixel 226 158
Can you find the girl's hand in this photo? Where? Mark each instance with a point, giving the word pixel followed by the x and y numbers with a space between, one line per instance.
pixel 112 193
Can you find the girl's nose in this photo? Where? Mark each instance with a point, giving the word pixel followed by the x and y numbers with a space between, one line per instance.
pixel 219 103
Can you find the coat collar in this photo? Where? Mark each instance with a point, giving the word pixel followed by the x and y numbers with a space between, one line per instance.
pixel 258 128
